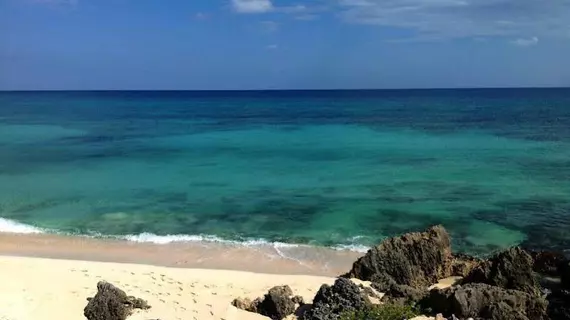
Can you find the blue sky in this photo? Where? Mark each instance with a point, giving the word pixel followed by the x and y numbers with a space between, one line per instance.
pixel 283 44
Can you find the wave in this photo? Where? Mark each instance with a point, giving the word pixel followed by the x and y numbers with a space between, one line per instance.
pixel 352 247
pixel 166 239
pixel 11 226
pixel 7 225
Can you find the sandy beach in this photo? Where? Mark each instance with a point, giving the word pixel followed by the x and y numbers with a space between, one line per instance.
pixel 38 288
pixel 51 277
pixel 46 276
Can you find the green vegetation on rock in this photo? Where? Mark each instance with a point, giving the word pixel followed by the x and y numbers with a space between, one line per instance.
pixel 382 312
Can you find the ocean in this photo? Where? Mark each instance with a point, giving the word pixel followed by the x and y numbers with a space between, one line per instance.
pixel 341 169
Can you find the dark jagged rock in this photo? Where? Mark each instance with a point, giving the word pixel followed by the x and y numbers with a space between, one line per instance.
pixel 402 294
pixel 138 303
pixel 245 304
pixel 565 275
pixel 503 311
pixel 331 301
pixel 547 262
pixel 276 304
pixel 463 264
pixel 298 300
pixel 480 300
pixel 559 305
pixel 510 269
pixel 416 259
pixel 111 303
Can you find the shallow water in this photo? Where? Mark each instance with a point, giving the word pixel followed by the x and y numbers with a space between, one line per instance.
pixel 336 168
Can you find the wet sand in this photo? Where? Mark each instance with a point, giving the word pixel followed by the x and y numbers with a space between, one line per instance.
pixel 303 260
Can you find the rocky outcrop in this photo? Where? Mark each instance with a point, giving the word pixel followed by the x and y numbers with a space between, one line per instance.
pixel 547 262
pixel 478 300
pixel 112 303
pixel 559 305
pixel 277 304
pixel 565 275
pixel 402 294
pixel 331 301
pixel 414 259
pixel 463 264
pixel 245 304
pixel 510 269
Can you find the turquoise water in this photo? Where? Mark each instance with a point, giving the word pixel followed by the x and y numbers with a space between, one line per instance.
pixel 333 168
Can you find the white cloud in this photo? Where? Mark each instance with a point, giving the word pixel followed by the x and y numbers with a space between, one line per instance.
pixel 525 42
pixel 271 47
pixel 462 18
pixel 252 6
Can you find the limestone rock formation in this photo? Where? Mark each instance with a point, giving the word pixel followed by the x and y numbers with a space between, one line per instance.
pixel 480 300
pixel 510 269
pixel 278 303
pixel 331 301
pixel 416 259
pixel 112 303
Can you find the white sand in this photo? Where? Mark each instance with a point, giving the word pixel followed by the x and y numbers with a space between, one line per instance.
pixel 51 289
pixel 35 288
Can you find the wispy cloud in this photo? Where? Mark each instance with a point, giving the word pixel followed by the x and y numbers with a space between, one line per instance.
pixel 201 16
pixel 307 17
pixel 462 18
pixel 271 47
pixel 269 26
pixel 525 42
pixel 252 6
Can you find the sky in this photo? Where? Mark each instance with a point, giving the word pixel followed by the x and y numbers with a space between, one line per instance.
pixel 283 44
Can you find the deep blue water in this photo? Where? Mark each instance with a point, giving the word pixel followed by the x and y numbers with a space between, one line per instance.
pixel 319 167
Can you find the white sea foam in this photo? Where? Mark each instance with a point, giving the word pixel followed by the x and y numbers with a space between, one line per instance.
pixel 7 225
pixel 158 239
pixel 166 239
pixel 352 247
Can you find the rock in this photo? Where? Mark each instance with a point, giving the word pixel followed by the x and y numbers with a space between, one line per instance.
pixel 565 275
pixel 111 303
pixel 439 316
pixel 277 303
pixel 502 310
pixel 138 303
pixel 480 300
pixel 510 269
pixel 416 259
pixel 402 294
pixel 547 263
pixel 331 301
pixel 298 300
pixel 245 304
pixel 462 264
pixel 559 305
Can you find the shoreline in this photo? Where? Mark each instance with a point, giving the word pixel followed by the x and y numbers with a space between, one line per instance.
pixel 51 276
pixel 262 258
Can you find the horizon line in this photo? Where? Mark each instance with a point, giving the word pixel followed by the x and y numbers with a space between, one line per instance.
pixel 277 90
